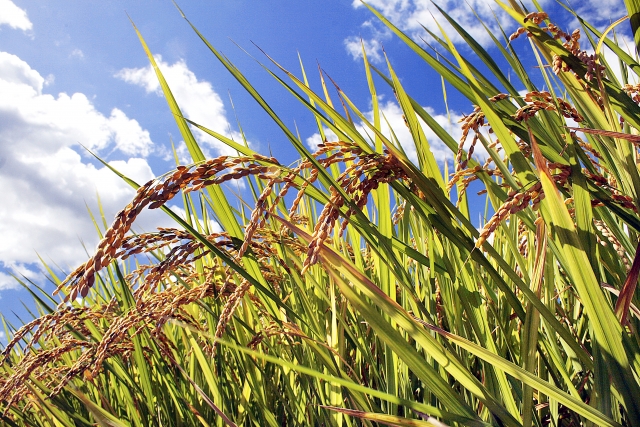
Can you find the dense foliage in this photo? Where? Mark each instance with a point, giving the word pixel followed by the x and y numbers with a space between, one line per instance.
pixel 354 289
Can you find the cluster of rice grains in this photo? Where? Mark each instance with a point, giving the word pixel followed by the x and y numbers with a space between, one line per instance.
pixel 518 200
pixel 571 42
pixel 161 290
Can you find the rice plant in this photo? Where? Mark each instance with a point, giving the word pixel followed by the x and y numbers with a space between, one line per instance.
pixel 354 288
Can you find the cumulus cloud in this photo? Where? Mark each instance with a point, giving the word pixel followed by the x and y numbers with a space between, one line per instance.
pixel 197 99
pixel 77 53
pixel 392 119
pixel 13 16
pixel 601 13
pixel 46 184
pixel 373 47
pixel 314 141
pixel 8 282
pixel 626 43
pixel 128 135
pixel 63 120
pixel 19 271
pixel 411 15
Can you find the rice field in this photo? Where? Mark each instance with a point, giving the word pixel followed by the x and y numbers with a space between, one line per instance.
pixel 353 287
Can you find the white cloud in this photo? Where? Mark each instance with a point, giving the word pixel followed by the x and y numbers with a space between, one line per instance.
pixel 46 185
pixel 411 15
pixel 314 141
pixel 19 271
pixel 183 154
pixel 196 98
pixel 392 118
pixel 8 282
pixel 77 53
pixel 13 16
pixel 601 12
pixel 626 43
pixel 62 121
pixel 373 47
pixel 129 137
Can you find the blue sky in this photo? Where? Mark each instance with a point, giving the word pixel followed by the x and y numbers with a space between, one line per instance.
pixel 73 73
